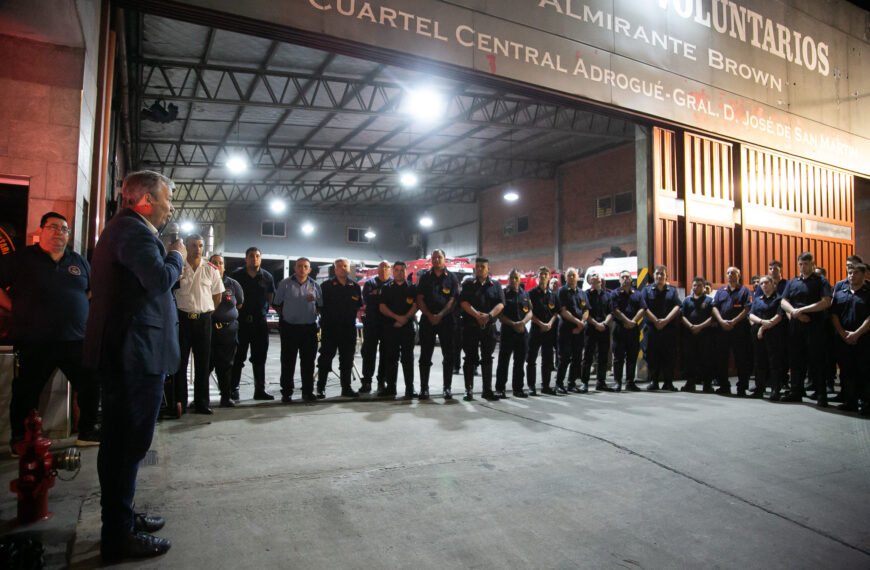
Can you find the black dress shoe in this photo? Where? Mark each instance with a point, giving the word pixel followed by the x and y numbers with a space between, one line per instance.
pixel 775 396
pixel 582 389
pixel 286 399
pixel 632 387
pixel 227 403
pixel 235 395
pixel 134 545
pixel 841 397
pixel 603 387
pixel 723 390
pixel 688 388
pixel 142 522
pixel 848 407
pixel 490 396
pixel 520 394
pixel 561 390
pixel 382 393
pixel 669 387
pixel 320 395
pixel 309 398
pixel 757 395
pixel 448 395
pixel 263 396
pixel 548 390
pixel 741 393
pixel 791 397
pixel 410 395
pixel 204 410
pixel 349 393
pixel 814 396
pixel 366 388
pixel 500 394
pixel 572 388
pixel 532 392
pixel 424 394
pixel 653 387
pixel 468 397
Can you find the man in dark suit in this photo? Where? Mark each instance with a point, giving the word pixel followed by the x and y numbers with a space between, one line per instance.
pixel 132 340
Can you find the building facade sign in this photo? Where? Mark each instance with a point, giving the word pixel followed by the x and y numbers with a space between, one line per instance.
pixel 759 71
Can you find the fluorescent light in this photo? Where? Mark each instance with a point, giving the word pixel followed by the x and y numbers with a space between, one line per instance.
pixel 408 179
pixel 278 206
pixel 308 228
pixel 371 235
pixel 427 222
pixel 187 227
pixel 511 196
pixel 237 164
pixel 424 104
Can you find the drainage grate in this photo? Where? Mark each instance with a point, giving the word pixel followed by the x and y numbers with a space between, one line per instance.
pixel 150 457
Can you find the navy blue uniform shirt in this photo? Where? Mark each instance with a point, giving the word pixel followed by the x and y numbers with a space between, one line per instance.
pixel 628 303
pixel 233 295
pixel 256 289
pixel 599 304
pixel 697 309
pixel 852 308
pixel 340 303
pixel 802 292
pixel 438 290
pixel 516 304
pixel 49 300
pixel 766 308
pixel 481 296
pixel 398 298
pixel 544 304
pixel 660 303
pixel 732 302
pixel 575 301
pixel 780 288
pixel 371 294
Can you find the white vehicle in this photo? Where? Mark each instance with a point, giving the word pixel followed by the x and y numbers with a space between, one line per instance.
pixel 609 271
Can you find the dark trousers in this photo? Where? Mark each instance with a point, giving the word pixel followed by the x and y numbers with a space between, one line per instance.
pixel 626 345
pixel 770 360
pixel 37 361
pixel 737 341
pixel 595 344
pixel 805 355
pixel 445 333
pixel 854 370
pixel 512 344
pixel 253 333
pixel 224 339
pixel 660 354
pixel 341 339
pixel 195 335
pixel 131 402
pixel 398 346
pixel 570 354
pixel 478 345
pixel 697 349
pixel 373 338
pixel 543 342
pixel 301 341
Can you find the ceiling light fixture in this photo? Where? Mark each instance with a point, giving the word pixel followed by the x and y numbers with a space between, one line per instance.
pixel 278 206
pixel 424 104
pixel 511 196
pixel 308 228
pixel 408 179
pixel 427 222
pixel 237 164
pixel 370 234
pixel 187 227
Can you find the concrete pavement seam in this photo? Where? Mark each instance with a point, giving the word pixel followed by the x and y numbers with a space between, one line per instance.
pixel 682 474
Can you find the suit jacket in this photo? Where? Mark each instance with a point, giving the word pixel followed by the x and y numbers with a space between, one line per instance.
pixel 133 323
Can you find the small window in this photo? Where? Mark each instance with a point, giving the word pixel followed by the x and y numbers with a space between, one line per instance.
pixel 623 203
pixel 522 224
pixel 357 235
pixel 273 229
pixel 510 227
pixel 604 207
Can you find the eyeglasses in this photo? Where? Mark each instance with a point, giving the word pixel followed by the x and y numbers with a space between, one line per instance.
pixel 58 229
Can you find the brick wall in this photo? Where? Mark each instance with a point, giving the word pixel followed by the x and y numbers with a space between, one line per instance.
pixel 40 107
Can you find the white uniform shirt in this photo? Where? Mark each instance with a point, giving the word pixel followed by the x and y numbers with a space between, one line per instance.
pixel 197 287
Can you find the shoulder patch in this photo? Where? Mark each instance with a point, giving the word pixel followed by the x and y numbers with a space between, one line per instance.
pixel 74 270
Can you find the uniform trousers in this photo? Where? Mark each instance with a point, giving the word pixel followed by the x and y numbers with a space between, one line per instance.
pixel 855 370
pixel 626 345
pixel 595 344
pixel 805 355
pixel 770 358
pixel 373 338
pixel 512 344
pixel 543 342
pixel 696 356
pixel 195 335
pixel 570 355
pixel 334 338
pixel 737 341
pixel 661 350
pixel 224 339
pixel 445 331
pixel 253 333
pixel 478 345
pixel 398 346
pixel 36 363
pixel 297 340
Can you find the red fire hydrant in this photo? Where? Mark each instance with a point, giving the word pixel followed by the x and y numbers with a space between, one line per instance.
pixel 36 473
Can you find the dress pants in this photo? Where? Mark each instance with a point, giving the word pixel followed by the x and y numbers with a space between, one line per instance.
pixel 660 354
pixel 131 402
pixel 341 339
pixel 570 354
pixel 595 343
pixel 297 340
pixel 224 338
pixel 737 341
pixel 398 346
pixel 445 332
pixel 194 334
pixel 512 344
pixel 478 345
pixel 373 339
pixel 626 345
pixel 770 360
pixel 696 357
pixel 253 333
pixel 855 370
pixel 543 342
pixel 36 363
pixel 805 355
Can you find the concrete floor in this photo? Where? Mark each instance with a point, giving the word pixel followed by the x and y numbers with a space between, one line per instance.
pixel 603 480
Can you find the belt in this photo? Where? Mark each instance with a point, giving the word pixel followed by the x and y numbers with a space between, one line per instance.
pixel 194 316
pixel 221 324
